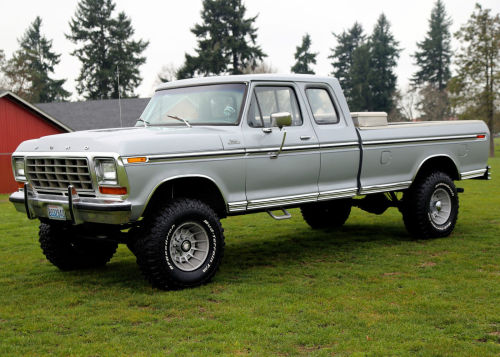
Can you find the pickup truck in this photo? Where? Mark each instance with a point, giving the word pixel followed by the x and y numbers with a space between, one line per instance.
pixel 208 148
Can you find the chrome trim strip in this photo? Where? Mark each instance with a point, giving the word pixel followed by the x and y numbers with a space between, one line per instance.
pixel 471 174
pixel 187 156
pixel 285 149
pixel 327 195
pixel 237 206
pixel 178 177
pixel 433 157
pixel 235 152
pixel 385 188
pixel 290 200
pixel 282 201
pixel 419 140
pixel 282 198
pixel 337 145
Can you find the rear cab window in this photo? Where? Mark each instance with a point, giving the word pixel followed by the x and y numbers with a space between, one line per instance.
pixel 322 107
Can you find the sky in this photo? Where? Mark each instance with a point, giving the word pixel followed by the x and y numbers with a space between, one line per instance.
pixel 281 25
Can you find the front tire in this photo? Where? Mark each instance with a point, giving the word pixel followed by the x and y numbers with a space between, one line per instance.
pixel 328 214
pixel 183 246
pixel 430 206
pixel 63 248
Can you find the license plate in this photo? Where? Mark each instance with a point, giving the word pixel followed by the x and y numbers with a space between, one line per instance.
pixel 56 212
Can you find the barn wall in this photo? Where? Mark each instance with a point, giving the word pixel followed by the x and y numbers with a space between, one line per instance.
pixel 17 123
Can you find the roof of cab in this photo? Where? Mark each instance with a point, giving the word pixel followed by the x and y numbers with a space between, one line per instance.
pixel 245 78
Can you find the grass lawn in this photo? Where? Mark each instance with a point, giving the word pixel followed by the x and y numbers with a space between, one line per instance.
pixel 283 289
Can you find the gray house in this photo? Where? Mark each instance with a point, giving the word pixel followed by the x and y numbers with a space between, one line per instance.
pixel 96 114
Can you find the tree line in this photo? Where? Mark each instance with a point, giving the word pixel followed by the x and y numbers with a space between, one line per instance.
pixel 227 43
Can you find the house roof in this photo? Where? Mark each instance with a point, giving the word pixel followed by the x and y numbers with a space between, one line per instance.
pixel 29 106
pixel 96 114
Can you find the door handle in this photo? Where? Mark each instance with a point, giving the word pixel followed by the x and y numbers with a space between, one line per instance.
pixel 305 137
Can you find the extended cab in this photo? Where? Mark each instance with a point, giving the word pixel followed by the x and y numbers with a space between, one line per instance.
pixel 207 148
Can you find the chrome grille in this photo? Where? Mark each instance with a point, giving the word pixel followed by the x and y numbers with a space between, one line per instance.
pixel 53 173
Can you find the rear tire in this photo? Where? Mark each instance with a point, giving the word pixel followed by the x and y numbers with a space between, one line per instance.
pixel 66 251
pixel 430 206
pixel 183 246
pixel 328 214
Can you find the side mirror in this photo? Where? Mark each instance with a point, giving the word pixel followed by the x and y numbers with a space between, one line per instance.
pixel 281 119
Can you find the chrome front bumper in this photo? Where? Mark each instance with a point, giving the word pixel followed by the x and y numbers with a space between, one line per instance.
pixel 77 209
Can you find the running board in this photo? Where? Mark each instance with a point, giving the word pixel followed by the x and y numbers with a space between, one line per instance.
pixel 286 215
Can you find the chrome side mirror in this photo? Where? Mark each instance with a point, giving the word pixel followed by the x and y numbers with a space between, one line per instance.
pixel 281 119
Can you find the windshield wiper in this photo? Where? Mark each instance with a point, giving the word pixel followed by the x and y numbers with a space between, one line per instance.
pixel 180 119
pixel 146 123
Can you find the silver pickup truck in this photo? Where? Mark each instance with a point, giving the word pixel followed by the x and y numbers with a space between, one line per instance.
pixel 208 148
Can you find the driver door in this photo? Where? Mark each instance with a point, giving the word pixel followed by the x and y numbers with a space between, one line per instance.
pixel 292 176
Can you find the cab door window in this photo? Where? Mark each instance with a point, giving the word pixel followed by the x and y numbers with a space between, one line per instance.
pixel 268 100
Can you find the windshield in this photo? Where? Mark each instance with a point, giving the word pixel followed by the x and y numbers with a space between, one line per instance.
pixel 218 104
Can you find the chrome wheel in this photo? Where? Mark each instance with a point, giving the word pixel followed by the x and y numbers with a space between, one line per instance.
pixel 189 246
pixel 440 206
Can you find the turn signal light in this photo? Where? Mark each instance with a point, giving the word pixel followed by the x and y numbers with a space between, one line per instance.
pixel 113 190
pixel 20 184
pixel 481 136
pixel 134 160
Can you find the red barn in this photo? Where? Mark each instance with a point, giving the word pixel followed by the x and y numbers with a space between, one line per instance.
pixel 19 121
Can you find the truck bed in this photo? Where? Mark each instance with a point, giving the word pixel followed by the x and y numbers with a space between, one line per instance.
pixel 393 153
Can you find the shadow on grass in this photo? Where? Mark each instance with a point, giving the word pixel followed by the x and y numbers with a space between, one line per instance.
pixel 278 249
pixel 284 249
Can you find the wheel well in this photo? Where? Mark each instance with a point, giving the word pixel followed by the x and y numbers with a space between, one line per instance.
pixel 439 163
pixel 200 188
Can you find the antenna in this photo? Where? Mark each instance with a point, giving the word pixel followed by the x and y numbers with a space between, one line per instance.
pixel 119 96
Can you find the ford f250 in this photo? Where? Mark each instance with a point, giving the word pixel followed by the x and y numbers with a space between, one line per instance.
pixel 208 148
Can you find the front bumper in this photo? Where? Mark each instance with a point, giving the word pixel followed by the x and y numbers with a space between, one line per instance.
pixel 77 209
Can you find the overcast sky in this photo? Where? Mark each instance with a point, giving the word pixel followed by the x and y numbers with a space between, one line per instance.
pixel 281 25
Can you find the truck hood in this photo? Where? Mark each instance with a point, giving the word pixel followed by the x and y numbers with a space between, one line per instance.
pixel 134 141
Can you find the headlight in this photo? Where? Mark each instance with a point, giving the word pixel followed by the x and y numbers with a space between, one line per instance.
pixel 106 171
pixel 18 165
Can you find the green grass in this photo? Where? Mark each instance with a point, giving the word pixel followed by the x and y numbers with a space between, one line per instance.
pixel 283 289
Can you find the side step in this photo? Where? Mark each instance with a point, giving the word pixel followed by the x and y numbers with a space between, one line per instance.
pixel 285 215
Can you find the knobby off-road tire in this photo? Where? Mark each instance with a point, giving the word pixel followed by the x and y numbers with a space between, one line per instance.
pixel 430 206
pixel 62 247
pixel 183 245
pixel 329 214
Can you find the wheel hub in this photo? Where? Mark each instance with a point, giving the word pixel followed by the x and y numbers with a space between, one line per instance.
pixel 440 206
pixel 186 246
pixel 189 246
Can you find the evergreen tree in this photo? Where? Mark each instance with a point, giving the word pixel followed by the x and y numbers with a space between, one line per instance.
pixel 475 87
pixel 435 104
pixel 433 56
pixel 226 40
pixel 29 69
pixel 384 53
pixel 260 67
pixel 360 98
pixel 303 57
pixel 342 55
pixel 106 50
